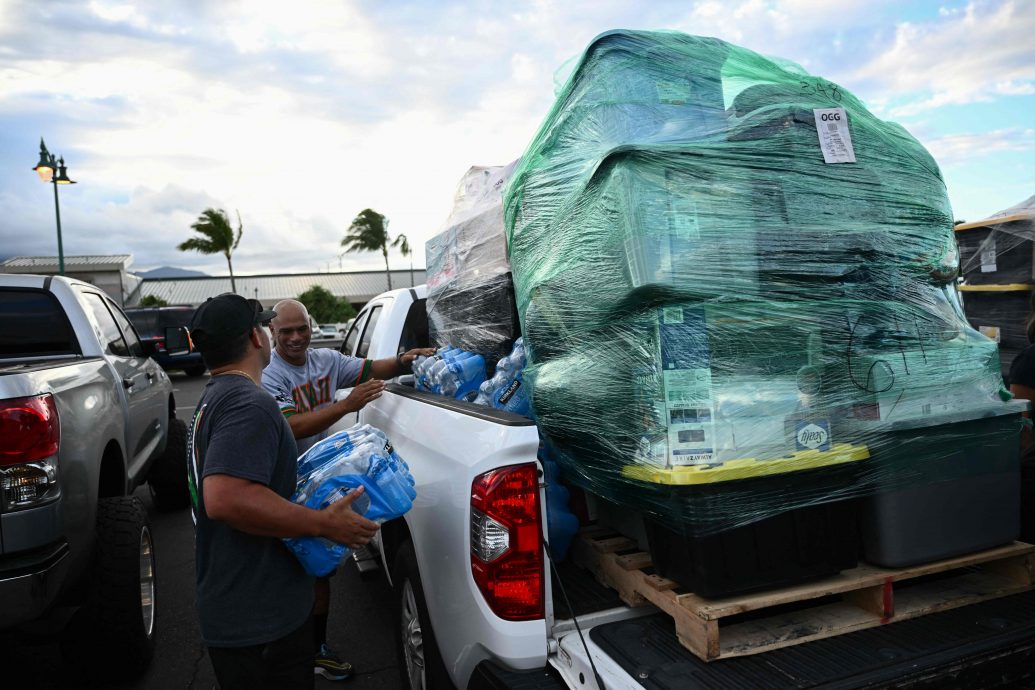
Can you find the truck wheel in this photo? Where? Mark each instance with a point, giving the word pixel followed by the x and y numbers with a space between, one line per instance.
pixel 197 370
pixel 419 657
pixel 113 633
pixel 168 475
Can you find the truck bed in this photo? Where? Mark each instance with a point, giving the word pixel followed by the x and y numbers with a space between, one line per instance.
pixel 986 645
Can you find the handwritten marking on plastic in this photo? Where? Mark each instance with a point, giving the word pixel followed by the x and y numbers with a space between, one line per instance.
pixel 821 88
pixel 834 137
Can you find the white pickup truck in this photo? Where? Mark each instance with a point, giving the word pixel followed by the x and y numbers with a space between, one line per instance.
pixel 480 604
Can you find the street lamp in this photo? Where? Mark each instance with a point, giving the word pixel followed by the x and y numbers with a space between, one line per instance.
pixel 45 169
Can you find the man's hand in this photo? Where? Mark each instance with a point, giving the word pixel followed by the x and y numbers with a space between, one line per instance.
pixel 410 355
pixel 346 526
pixel 362 394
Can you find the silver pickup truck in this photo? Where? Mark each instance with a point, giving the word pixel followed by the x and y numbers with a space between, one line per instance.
pixel 472 615
pixel 86 417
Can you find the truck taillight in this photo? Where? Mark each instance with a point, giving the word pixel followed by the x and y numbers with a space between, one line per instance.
pixel 507 542
pixel 29 440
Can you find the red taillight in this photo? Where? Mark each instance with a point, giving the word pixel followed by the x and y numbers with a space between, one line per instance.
pixel 29 429
pixel 507 541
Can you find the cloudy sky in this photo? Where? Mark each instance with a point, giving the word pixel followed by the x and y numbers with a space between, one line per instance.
pixel 300 114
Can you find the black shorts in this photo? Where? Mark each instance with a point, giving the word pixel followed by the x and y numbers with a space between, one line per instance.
pixel 284 664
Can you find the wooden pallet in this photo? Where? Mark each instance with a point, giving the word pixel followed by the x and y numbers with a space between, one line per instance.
pixel 864 597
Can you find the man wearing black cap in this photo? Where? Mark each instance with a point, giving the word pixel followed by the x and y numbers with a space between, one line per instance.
pixel 254 600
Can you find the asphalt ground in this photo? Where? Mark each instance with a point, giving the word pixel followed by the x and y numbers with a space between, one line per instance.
pixel 360 628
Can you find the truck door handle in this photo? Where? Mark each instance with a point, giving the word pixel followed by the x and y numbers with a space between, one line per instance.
pixel 127 383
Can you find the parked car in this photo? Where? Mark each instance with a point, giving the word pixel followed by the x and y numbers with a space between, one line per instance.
pixel 86 417
pixel 328 331
pixel 151 322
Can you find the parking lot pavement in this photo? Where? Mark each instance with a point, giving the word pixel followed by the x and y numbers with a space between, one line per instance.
pixel 360 626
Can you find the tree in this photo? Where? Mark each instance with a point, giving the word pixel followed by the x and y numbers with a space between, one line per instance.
pixel 153 301
pixel 325 307
pixel 369 233
pixel 217 237
pixel 404 248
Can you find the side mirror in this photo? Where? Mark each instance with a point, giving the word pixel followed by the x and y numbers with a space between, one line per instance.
pixel 177 342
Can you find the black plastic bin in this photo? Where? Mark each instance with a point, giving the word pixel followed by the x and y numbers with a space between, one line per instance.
pixel 806 527
pixel 951 485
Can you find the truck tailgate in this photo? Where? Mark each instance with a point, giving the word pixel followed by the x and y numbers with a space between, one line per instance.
pixel 991 644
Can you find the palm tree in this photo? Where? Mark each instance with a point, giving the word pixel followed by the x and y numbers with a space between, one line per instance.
pixel 369 233
pixel 404 248
pixel 217 237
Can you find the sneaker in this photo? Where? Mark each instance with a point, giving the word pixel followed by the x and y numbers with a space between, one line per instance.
pixel 327 664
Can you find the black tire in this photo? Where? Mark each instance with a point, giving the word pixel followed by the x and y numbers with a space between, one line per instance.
pixel 112 636
pixel 198 370
pixel 419 660
pixel 168 475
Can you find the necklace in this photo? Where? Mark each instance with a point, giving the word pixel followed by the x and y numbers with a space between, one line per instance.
pixel 236 372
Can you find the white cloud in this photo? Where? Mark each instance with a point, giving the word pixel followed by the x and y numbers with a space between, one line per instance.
pixel 984 51
pixel 969 146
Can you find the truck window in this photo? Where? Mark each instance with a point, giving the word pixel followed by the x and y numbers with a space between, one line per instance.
pixel 368 332
pixel 104 325
pixel 349 346
pixel 145 321
pixel 135 348
pixel 415 329
pixel 33 323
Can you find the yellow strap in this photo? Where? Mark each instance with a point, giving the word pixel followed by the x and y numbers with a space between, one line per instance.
pixel 1010 287
pixel 745 468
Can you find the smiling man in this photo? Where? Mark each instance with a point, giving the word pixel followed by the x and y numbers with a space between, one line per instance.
pixel 303 380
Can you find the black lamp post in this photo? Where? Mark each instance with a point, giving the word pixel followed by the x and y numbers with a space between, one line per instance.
pixel 45 169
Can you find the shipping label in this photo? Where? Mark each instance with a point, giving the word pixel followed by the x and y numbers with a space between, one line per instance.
pixel 834 138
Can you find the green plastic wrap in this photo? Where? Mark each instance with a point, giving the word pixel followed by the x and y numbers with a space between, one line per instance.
pixel 708 303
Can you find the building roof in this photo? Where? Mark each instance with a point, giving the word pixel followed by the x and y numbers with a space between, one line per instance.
pixel 358 286
pixel 45 264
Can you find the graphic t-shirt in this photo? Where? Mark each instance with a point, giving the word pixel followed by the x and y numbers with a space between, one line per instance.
pixel 250 589
pixel 311 386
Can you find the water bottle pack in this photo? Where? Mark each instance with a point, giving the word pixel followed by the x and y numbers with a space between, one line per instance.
pixel 506 390
pixel 334 467
pixel 451 372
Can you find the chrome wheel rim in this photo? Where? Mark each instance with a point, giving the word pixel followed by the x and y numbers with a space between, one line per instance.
pixel 147 581
pixel 412 639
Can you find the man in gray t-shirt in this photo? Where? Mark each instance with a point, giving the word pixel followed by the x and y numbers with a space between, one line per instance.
pixel 253 597
pixel 303 381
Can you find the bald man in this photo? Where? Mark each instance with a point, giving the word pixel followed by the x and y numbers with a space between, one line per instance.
pixel 303 380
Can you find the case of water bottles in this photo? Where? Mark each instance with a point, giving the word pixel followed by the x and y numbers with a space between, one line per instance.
pixel 737 292
pixel 334 467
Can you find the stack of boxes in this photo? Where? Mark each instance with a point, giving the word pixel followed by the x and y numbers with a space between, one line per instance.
pixel 470 290
pixel 997 258
pixel 736 288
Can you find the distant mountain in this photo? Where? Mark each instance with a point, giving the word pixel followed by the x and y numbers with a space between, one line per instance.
pixel 170 272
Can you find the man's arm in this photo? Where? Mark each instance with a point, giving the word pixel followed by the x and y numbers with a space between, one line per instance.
pixel 390 367
pixel 254 508
pixel 305 424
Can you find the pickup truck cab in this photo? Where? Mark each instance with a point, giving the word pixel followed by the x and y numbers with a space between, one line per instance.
pixel 86 416
pixel 479 603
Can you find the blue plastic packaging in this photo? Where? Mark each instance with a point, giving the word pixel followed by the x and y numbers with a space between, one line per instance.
pixel 336 466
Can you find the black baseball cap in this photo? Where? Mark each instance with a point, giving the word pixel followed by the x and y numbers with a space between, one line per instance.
pixel 222 318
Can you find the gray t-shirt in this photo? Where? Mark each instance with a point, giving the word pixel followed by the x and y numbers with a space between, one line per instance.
pixel 311 386
pixel 250 589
